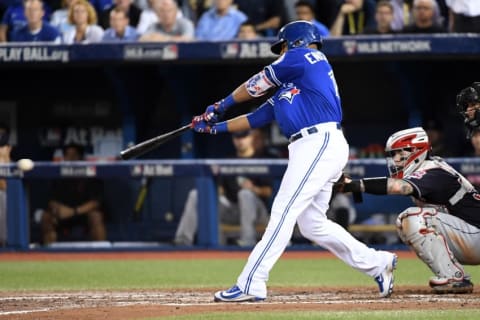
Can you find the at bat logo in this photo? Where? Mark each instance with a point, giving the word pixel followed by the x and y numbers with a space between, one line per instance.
pixel 289 94
pixel 152 170
pixel 230 50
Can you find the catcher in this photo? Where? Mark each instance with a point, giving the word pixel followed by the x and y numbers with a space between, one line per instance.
pixel 444 226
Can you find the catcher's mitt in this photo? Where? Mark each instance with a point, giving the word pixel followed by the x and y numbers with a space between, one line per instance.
pixel 339 185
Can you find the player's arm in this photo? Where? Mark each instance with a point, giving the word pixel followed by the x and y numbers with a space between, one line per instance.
pixel 399 186
pixel 255 87
pixel 379 186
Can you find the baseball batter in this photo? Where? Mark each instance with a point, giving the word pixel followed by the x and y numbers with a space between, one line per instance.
pixel 444 226
pixel 306 106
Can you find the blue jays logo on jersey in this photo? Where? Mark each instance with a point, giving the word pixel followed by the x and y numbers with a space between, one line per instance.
pixel 289 94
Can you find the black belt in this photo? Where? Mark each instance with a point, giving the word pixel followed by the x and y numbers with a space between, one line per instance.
pixel 311 130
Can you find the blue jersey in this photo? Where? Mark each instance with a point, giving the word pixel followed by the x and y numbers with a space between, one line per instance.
pixel 307 93
pixel 46 33
pixel 14 16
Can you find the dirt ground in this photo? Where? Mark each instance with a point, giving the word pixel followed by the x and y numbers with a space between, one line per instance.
pixel 157 303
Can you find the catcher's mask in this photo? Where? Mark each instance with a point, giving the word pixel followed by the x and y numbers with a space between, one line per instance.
pixel 405 151
pixel 469 98
pixel 297 34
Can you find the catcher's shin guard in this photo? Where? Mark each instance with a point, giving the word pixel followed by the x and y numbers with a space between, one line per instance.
pixel 415 228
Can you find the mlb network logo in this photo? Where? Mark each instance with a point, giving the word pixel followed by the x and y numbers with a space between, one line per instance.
pixel 350 47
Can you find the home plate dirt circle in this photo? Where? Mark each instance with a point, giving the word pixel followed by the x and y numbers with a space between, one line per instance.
pixel 156 303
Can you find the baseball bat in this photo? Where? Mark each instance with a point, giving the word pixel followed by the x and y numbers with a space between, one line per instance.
pixel 150 144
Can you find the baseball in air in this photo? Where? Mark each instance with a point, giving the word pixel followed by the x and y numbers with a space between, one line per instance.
pixel 25 164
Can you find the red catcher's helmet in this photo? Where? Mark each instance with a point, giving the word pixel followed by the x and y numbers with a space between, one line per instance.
pixel 415 146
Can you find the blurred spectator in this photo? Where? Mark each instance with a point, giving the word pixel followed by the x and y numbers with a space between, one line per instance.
pixel 327 11
pixel 193 9
pixel 169 27
pixel 383 19
pixel 36 30
pixel 247 31
pixel 3 7
pixel 261 145
pixel 14 19
pixel 289 6
pixel 443 12
pixel 5 150
pixel 435 132
pixel 83 16
pixel 242 200
pixel 475 140
pixel 60 17
pixel 464 15
pixel 149 17
pixel 74 202
pixel 142 4
pixel 265 14
pixel 133 13
pixel 221 22
pixel 353 17
pixel 101 5
pixel 119 30
pixel 304 11
pixel 426 18
pixel 401 13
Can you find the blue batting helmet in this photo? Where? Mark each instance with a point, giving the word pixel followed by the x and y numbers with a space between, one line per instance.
pixel 297 34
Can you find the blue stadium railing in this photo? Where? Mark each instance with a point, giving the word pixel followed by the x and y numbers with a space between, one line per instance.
pixel 202 171
pixel 399 46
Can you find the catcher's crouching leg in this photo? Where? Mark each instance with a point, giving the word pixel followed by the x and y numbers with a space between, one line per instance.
pixel 415 228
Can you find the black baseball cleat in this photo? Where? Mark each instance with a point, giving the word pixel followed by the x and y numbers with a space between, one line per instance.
pixel 444 285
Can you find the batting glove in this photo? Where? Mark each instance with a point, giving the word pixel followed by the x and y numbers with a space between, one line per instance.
pixel 201 126
pixel 213 112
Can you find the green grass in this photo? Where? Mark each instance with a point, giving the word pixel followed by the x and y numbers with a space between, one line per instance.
pixel 165 274
pixel 160 274
pixel 339 315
